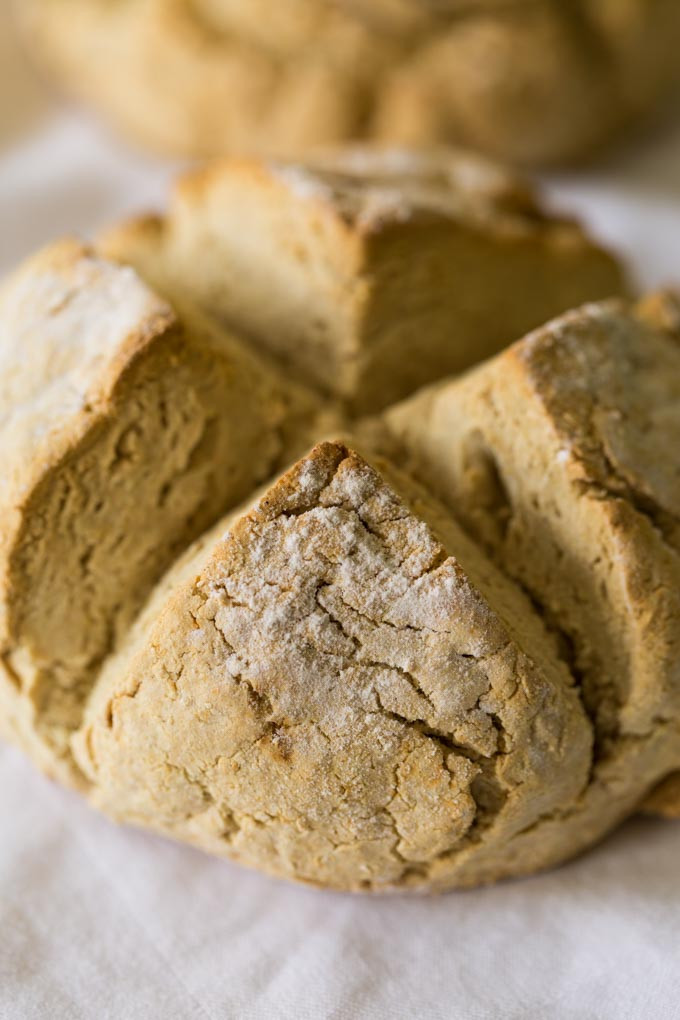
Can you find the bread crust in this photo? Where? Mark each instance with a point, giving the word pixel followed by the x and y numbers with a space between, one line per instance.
pixel 343 267
pixel 560 457
pixel 125 431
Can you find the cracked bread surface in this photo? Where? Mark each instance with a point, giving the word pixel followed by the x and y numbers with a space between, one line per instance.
pixel 560 457
pixel 368 272
pixel 124 433
pixel 532 81
pixel 343 690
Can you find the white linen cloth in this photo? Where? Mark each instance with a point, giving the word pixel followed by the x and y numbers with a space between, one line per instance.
pixel 112 924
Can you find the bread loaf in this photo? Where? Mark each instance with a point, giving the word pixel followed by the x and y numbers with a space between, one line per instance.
pixel 441 650
pixel 531 81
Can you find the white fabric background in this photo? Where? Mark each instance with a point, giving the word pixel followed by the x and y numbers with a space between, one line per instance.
pixel 101 922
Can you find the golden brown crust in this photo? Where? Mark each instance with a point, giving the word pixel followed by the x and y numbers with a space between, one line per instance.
pixel 560 457
pixel 366 255
pixel 124 432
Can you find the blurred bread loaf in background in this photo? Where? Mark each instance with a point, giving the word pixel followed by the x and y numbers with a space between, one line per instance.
pixel 536 82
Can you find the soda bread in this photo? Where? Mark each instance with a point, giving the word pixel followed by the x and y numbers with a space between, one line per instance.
pixel 532 81
pixel 342 268
pixel 124 432
pixel 458 669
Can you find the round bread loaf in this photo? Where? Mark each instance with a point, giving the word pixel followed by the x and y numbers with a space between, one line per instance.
pixel 533 81
pixel 438 652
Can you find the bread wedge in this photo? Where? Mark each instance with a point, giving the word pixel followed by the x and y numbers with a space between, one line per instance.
pixel 341 689
pixel 124 432
pixel 367 273
pixel 561 458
